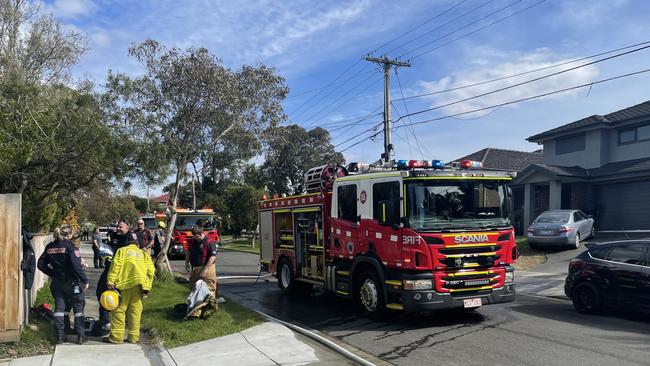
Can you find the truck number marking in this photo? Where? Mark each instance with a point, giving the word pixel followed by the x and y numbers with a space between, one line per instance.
pixel 378 235
pixel 464 239
pixel 393 238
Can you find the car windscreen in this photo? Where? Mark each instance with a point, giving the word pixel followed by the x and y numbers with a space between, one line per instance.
pixel 554 218
pixel 184 222
pixel 456 204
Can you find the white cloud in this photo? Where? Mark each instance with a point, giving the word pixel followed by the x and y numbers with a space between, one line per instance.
pixel 540 58
pixel 587 14
pixel 69 9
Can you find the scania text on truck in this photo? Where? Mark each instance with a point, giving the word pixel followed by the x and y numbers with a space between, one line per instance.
pixel 411 236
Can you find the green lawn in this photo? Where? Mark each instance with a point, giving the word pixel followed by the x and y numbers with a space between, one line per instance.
pixel 242 245
pixel 528 257
pixel 172 331
pixel 37 339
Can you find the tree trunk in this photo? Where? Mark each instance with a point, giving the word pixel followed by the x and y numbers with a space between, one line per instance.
pixel 162 262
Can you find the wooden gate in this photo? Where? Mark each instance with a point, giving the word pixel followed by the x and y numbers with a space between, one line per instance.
pixel 10 283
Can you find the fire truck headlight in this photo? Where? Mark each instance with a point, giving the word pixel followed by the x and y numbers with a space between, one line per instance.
pixel 418 284
pixel 510 277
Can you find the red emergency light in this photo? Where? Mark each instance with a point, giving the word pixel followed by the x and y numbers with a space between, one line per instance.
pixel 471 164
pixel 416 164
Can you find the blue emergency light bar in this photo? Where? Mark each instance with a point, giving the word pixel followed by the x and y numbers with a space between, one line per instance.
pixel 412 164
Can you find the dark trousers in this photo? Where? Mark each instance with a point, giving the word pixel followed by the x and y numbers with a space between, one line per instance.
pixel 98 262
pixel 64 296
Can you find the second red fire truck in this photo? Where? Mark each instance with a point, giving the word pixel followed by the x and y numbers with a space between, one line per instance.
pixel 414 236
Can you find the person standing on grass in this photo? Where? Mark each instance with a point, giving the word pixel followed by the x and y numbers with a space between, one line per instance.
pixel 61 261
pixel 201 259
pixel 120 236
pixel 131 273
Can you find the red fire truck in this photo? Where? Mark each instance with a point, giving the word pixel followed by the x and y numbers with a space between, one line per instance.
pixel 185 221
pixel 414 236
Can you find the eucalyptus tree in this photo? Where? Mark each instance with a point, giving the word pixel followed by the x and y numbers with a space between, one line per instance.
pixel 186 103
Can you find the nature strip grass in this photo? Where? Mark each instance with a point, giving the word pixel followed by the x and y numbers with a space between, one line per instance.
pixel 241 245
pixel 528 258
pixel 172 331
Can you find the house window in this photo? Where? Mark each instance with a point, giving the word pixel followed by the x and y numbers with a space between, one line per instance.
pixel 570 144
pixel 643 133
pixel 626 136
pixel 347 202
pixel 635 134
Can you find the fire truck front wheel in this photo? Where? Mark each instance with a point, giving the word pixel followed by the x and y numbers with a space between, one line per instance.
pixel 369 295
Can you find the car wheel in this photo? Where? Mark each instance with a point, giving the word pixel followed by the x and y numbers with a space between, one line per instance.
pixel 576 244
pixel 369 295
pixel 586 298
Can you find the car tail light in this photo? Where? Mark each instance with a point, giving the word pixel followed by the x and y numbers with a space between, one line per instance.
pixel 576 264
pixel 564 229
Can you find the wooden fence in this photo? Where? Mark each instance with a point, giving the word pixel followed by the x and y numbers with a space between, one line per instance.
pixel 10 276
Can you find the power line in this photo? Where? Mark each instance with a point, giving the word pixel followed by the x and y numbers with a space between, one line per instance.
pixel 406 109
pixel 440 26
pixel 591 84
pixel 327 86
pixel 319 113
pixel 527 81
pixel 419 26
pixel 461 28
pixel 357 135
pixel 521 73
pixel 475 31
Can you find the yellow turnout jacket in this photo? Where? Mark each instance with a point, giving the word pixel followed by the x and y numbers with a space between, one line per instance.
pixel 131 267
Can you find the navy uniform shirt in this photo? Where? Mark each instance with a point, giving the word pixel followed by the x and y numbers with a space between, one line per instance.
pixel 121 240
pixel 144 237
pixel 61 260
pixel 201 251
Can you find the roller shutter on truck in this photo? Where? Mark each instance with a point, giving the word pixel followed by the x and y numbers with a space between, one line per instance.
pixel 623 206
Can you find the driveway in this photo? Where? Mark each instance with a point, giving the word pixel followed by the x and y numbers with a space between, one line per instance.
pixel 547 279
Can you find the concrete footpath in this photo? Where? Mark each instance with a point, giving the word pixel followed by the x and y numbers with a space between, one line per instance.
pixel 265 344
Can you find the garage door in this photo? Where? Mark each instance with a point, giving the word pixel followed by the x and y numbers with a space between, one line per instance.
pixel 623 206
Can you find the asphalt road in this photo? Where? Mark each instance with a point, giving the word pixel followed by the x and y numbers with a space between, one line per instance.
pixel 533 330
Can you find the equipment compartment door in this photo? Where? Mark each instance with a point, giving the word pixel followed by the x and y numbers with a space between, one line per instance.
pixel 266 236
pixel 309 244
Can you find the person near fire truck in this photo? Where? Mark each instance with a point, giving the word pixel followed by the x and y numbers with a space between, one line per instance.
pixel 131 273
pixel 61 261
pixel 145 238
pixel 201 259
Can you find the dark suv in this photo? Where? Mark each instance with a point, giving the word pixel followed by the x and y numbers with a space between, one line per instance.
pixel 610 274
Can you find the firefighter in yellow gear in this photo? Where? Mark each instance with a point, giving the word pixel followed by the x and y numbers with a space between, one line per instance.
pixel 132 273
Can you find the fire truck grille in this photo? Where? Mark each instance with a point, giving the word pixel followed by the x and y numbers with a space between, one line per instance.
pixel 465 284
pixel 470 250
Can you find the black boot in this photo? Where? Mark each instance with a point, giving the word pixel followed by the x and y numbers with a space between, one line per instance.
pixel 81 339
pixel 59 336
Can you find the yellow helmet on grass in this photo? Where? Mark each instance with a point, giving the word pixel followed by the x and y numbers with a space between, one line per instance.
pixel 110 300
pixel 161 224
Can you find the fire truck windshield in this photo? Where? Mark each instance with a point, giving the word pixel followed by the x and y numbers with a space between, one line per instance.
pixel 188 222
pixel 433 205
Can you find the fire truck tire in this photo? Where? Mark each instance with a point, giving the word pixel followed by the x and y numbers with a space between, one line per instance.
pixel 369 295
pixel 286 280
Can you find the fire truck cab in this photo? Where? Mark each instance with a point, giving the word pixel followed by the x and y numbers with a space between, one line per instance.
pixel 415 236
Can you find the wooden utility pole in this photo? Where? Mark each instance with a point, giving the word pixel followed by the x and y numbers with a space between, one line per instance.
pixel 193 194
pixel 387 64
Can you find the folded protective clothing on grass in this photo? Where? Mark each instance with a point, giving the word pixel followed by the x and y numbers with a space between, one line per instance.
pixel 131 267
pixel 210 278
pixel 201 301
pixel 130 309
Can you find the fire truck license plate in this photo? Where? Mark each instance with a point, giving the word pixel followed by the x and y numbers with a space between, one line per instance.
pixel 472 303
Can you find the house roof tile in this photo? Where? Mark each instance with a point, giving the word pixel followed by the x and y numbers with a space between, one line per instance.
pixel 501 159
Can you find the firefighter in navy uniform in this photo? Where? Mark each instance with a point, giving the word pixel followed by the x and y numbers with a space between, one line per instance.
pixel 120 238
pixel 61 261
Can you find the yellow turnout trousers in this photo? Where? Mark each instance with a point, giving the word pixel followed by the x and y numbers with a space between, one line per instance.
pixel 131 309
